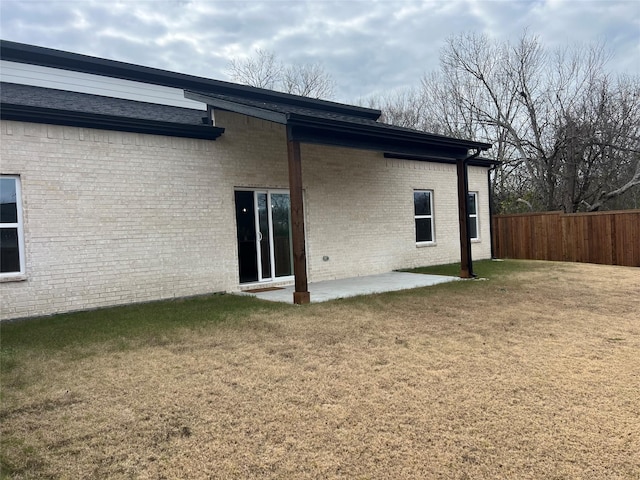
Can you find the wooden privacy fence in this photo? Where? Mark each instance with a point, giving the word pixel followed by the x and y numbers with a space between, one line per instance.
pixel 611 238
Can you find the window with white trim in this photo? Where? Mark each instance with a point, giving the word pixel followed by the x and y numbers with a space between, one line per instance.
pixel 472 211
pixel 12 260
pixel 423 215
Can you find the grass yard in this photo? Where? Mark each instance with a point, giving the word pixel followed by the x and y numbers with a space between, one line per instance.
pixel 533 374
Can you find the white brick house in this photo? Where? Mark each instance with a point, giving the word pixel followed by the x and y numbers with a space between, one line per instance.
pixel 121 183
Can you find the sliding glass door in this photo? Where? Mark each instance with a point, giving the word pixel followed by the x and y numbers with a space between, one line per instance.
pixel 263 219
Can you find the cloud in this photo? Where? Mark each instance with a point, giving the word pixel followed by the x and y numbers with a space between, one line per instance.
pixel 366 45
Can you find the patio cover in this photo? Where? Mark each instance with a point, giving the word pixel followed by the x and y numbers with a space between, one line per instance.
pixel 322 123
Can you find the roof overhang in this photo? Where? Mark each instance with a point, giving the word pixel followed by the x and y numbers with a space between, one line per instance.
pixel 48 57
pixel 348 131
pixel 251 111
pixel 379 137
pixel 474 162
pixel 53 116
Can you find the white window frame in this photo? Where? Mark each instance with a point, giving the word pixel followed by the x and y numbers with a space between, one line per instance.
pixel 430 217
pixel 19 227
pixel 473 217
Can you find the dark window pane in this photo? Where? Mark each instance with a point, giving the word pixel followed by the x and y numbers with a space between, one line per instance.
pixel 8 205
pixel 471 204
pixel 422 203
pixel 423 230
pixel 9 251
pixel 246 230
pixel 473 227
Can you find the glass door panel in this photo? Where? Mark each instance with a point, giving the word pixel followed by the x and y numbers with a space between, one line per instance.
pixel 264 236
pixel 246 234
pixel 281 221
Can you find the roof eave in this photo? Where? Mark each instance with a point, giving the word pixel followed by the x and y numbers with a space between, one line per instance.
pixel 475 162
pixel 354 134
pixel 35 55
pixel 395 134
pixel 52 116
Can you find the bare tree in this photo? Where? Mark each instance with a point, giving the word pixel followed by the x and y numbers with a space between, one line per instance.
pixel 307 80
pixel 598 143
pixel 265 70
pixel 404 107
pixel 567 133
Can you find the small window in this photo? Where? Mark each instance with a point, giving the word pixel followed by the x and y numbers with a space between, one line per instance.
pixel 472 211
pixel 11 236
pixel 423 214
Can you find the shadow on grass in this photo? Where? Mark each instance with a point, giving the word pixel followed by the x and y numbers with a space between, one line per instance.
pixel 490 269
pixel 27 345
pixel 150 321
pixel 495 270
pixel 157 323
pixel 157 319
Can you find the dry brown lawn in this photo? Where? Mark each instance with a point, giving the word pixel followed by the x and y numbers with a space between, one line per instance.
pixel 532 376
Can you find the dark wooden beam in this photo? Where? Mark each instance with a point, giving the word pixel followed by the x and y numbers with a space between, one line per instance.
pixel 301 293
pixel 466 264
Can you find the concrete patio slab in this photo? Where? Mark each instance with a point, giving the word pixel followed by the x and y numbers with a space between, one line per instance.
pixel 351 287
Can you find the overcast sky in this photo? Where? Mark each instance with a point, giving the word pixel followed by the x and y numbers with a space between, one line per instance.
pixel 367 46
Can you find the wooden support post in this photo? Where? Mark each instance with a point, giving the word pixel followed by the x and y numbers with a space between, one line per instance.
pixel 466 266
pixel 301 293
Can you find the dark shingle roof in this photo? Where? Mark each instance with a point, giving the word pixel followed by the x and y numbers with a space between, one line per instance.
pixel 26 95
pixel 48 57
pixel 285 108
pixel 60 107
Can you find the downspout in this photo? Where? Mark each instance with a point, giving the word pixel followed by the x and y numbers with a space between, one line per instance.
pixel 466 263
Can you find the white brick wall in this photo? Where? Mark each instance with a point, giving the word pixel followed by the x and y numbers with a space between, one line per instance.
pixel 360 212
pixel 116 217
